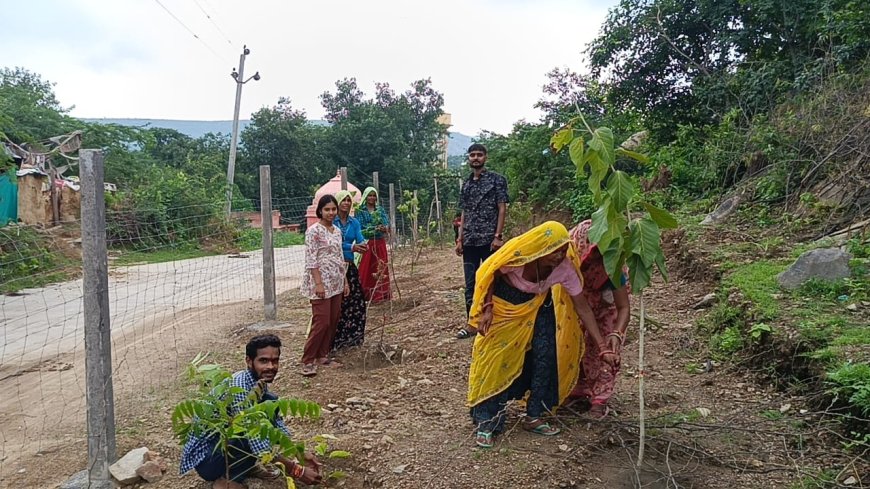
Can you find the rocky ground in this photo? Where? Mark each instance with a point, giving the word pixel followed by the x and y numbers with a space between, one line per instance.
pixel 398 407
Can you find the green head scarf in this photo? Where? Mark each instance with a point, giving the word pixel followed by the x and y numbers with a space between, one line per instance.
pixel 366 193
pixel 341 195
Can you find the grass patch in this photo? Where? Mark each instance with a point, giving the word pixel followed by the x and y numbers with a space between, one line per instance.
pixel 160 255
pixel 29 259
pixel 250 239
pixel 851 381
pixel 757 282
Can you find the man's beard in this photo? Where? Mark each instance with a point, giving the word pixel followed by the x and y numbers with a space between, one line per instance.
pixel 257 377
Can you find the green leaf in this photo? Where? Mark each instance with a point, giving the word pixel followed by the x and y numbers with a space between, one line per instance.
pixel 577 152
pixel 639 157
pixel 661 217
pixel 599 226
pixel 562 138
pixel 339 454
pixel 598 170
pixel 645 241
pixel 638 273
pixel 603 144
pixel 614 259
pixel 621 190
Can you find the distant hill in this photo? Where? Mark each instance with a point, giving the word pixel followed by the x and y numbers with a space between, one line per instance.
pixel 458 144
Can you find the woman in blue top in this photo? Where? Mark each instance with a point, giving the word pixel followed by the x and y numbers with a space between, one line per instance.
pixel 352 323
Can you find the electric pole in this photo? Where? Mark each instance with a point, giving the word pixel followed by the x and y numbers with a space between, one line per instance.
pixel 239 77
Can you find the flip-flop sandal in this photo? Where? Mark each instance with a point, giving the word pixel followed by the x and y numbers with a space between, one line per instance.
pixel 309 370
pixel 464 333
pixel 544 429
pixel 483 439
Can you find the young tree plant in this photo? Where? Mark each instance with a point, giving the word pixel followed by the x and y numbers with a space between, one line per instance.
pixel 209 413
pixel 626 227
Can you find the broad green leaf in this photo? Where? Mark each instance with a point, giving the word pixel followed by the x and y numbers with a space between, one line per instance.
pixel 576 151
pixel 604 145
pixel 638 273
pixel 339 454
pixel 621 190
pixel 661 217
pixel 639 157
pixel 597 172
pixel 614 259
pixel 599 226
pixel 562 138
pixel 645 239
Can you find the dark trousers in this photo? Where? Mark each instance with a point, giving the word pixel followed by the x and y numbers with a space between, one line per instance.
pixel 324 322
pixel 472 257
pixel 239 457
pixel 539 377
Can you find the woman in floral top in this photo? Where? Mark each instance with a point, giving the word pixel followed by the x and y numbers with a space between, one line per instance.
pixel 323 283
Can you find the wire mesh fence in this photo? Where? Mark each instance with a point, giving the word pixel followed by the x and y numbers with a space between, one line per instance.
pixel 177 276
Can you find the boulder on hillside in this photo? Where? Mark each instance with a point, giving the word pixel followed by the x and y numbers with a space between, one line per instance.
pixel 829 264
pixel 725 209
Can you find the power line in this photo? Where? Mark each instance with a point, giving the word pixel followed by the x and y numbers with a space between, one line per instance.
pixel 207 16
pixel 188 29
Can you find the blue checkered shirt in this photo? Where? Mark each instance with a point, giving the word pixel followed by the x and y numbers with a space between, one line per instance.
pixel 199 447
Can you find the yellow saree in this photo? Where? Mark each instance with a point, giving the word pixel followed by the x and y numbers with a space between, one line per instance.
pixel 497 358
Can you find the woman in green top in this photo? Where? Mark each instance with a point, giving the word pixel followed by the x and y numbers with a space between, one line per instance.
pixel 373 269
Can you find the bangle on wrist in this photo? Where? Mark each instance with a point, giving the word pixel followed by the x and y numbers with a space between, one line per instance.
pixel 606 352
pixel 297 471
pixel 617 335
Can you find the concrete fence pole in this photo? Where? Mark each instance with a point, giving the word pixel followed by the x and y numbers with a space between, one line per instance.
pixel 270 301
pixel 98 338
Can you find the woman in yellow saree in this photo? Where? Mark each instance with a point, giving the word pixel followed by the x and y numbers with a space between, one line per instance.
pixel 527 301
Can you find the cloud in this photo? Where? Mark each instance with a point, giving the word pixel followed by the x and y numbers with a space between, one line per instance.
pixel 133 59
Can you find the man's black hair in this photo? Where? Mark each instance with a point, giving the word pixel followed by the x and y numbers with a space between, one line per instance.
pixel 322 203
pixel 477 147
pixel 261 341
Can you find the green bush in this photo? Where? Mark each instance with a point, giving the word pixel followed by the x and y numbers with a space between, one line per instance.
pixel 168 206
pixel 851 381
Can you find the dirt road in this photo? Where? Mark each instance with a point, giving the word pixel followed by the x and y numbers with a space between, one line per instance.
pixel 157 312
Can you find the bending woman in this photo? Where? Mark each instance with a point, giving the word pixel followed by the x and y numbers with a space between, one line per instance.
pixel 527 301
pixel 610 304
pixel 352 323
pixel 374 274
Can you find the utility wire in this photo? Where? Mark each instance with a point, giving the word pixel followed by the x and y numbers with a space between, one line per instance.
pixel 207 16
pixel 188 29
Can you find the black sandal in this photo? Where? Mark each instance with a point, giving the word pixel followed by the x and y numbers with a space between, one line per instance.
pixel 464 333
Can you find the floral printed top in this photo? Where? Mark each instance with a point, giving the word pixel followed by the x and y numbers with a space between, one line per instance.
pixel 323 252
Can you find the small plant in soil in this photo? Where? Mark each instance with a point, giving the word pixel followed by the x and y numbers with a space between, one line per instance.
pixel 208 413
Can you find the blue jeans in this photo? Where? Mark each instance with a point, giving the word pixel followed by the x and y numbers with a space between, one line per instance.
pixel 239 458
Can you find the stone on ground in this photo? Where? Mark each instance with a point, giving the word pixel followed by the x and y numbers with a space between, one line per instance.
pixel 124 470
pixel 725 209
pixel 829 264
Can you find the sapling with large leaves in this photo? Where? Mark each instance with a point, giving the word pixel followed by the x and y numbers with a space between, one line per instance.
pixel 625 227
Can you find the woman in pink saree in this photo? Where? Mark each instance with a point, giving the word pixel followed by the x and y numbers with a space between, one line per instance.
pixel 610 304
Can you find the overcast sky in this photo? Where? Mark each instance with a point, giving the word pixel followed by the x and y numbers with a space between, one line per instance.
pixel 131 58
